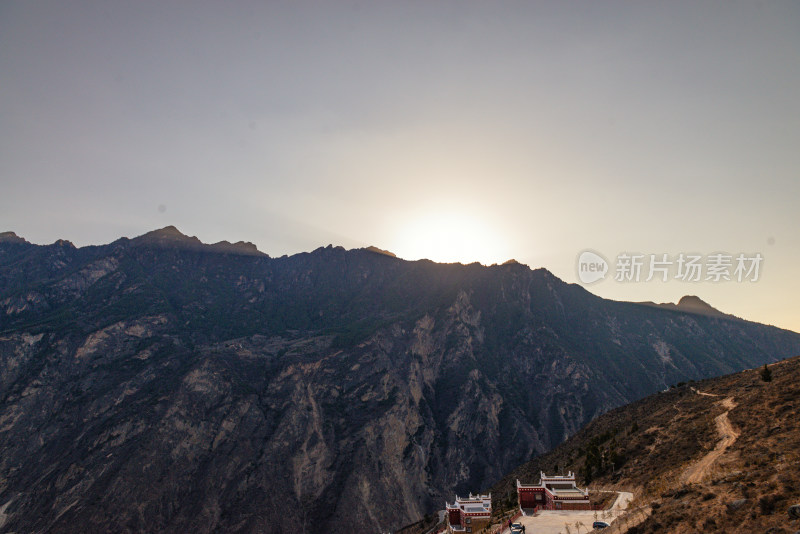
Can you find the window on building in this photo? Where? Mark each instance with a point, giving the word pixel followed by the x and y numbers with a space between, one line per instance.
pixel 469 520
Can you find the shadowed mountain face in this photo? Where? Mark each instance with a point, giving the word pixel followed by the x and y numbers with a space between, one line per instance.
pixel 159 384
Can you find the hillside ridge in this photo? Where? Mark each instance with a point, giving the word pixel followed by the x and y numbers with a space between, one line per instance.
pixel 718 455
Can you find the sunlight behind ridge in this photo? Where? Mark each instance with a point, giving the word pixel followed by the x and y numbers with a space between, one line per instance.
pixel 451 237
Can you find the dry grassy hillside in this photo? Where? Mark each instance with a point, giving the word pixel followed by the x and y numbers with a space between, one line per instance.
pixel 720 455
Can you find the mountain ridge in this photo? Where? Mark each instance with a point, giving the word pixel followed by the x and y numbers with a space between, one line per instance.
pixel 364 389
pixel 171 235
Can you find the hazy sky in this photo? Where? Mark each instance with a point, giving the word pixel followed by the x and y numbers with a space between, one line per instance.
pixel 451 130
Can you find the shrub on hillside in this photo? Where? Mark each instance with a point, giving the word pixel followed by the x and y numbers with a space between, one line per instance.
pixel 766 374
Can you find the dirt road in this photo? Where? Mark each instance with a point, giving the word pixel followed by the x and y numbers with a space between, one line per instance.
pixel 695 473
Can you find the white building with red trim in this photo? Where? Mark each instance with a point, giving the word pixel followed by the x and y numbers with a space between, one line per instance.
pixel 469 514
pixel 553 493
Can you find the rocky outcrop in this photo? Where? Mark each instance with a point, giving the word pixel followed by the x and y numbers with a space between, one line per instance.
pixel 11 237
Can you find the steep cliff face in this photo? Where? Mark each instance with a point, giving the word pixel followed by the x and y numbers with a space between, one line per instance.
pixel 159 384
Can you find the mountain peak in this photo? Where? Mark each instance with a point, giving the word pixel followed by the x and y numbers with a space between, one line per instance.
pixel 690 304
pixel 169 235
pixel 168 232
pixel 11 237
pixel 693 303
pixel 170 229
pixel 64 243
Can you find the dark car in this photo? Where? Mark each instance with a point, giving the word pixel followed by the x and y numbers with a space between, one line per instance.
pixel 600 524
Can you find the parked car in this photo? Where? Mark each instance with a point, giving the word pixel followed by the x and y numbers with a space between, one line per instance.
pixel 600 524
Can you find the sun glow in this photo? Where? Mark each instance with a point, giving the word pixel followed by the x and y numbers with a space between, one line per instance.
pixel 451 237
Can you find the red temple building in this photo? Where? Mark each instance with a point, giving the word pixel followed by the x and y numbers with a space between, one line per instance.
pixel 553 493
pixel 470 514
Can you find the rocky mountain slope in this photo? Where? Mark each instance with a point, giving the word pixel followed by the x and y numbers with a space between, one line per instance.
pixel 718 455
pixel 160 384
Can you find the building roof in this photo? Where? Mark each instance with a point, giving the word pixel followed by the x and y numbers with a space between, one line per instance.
pixel 559 486
pixel 474 504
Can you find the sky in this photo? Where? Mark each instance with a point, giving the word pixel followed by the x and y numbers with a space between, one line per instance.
pixel 452 130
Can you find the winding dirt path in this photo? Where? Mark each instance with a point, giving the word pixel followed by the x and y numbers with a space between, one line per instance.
pixel 695 473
